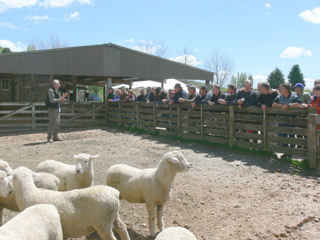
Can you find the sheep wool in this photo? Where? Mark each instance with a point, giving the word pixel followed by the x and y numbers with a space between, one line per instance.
pixel 149 186
pixel 176 233
pixel 82 211
pixel 41 222
pixel 71 177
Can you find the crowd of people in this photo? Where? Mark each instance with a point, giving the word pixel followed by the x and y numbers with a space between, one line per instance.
pixel 283 97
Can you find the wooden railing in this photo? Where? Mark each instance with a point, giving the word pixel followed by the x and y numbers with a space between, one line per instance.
pixel 19 117
pixel 292 132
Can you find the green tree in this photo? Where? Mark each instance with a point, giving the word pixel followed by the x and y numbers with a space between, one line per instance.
pixel 1 48
pixel 295 76
pixel 275 78
pixel 31 47
pixel 6 50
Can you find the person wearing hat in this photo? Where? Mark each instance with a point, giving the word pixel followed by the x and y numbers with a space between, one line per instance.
pixel 116 97
pixel 142 97
pixel 202 98
pixel 304 97
pixel 110 94
pixel 179 94
pixel 160 95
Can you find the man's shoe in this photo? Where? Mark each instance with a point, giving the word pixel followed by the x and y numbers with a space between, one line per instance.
pixel 50 141
pixel 57 139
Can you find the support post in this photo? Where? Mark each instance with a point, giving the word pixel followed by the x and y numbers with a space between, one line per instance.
pixel 154 116
pixel 138 113
pixel 312 141
pixel 74 85
pixel 119 113
pixel 179 120
pixel 202 122
pixel 231 126
pixel 33 119
pixel 265 131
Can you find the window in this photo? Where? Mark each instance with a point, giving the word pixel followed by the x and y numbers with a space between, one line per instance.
pixel 5 84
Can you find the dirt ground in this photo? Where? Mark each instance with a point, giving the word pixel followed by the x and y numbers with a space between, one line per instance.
pixel 225 195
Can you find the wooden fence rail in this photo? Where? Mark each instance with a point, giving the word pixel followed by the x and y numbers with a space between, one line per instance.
pixel 19 117
pixel 292 132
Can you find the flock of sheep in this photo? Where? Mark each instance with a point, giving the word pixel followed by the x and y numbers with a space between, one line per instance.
pixel 59 200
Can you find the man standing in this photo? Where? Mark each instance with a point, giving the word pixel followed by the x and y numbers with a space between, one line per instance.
pixel 179 94
pixel 53 104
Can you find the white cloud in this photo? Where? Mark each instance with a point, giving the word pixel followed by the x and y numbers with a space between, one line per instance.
pixel 312 16
pixel 10 4
pixel 63 3
pixel 14 47
pixel 191 60
pixel 131 40
pixel 71 16
pixel 150 49
pixel 38 19
pixel 295 52
pixel 267 5
pixel 7 4
pixel 9 25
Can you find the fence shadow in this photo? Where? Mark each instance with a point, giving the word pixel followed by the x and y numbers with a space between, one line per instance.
pixel 132 234
pixel 269 162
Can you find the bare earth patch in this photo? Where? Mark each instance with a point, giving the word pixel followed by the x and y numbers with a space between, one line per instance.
pixel 225 195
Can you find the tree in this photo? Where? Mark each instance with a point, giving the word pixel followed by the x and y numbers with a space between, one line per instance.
pixel 221 65
pixel 161 50
pixel 53 42
pixel 295 76
pixel 6 50
pixel 186 54
pixel 275 78
pixel 31 47
pixel 1 48
pixel 238 80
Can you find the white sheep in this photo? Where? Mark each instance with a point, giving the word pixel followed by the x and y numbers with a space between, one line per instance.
pixel 82 211
pixel 150 186
pixel 176 233
pixel 71 176
pixel 41 222
pixel 41 180
pixel 4 166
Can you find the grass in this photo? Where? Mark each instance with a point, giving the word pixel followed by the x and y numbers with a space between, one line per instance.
pixel 304 164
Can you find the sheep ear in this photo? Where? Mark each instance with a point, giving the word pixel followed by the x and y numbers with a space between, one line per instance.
pixel 94 156
pixel 2 175
pixel 173 160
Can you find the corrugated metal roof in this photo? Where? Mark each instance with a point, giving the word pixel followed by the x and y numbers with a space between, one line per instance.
pixel 106 60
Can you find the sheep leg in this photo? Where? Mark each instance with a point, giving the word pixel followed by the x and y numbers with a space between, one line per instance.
pixel 160 210
pixel 151 217
pixel 105 232
pixel 1 216
pixel 121 228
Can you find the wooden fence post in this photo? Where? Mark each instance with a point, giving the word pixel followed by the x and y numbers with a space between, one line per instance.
pixel 138 114
pixel 231 126
pixel 179 120
pixel 154 116
pixel 202 122
pixel 33 117
pixel 265 131
pixel 119 113
pixel 312 141
pixel 107 114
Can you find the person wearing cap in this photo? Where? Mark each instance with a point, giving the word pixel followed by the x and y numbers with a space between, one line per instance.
pixel 179 94
pixel 116 97
pixel 216 95
pixel 142 97
pixel 131 97
pixel 160 95
pixel 230 96
pixel 110 94
pixel 304 97
pixel 202 98
pixel 53 102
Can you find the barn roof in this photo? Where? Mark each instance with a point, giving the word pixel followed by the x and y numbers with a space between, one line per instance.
pixel 98 62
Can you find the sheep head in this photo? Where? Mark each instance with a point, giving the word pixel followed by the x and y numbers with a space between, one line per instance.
pixel 178 161
pixel 4 166
pixel 84 162
pixel 6 184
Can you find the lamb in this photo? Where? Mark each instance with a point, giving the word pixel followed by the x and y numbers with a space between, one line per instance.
pixel 149 186
pixel 41 180
pixel 4 166
pixel 71 176
pixel 176 233
pixel 82 211
pixel 41 222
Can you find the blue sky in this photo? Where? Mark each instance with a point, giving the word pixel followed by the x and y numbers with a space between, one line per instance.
pixel 257 35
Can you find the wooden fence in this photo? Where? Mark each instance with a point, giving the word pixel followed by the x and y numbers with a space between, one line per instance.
pixel 292 132
pixel 19 117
